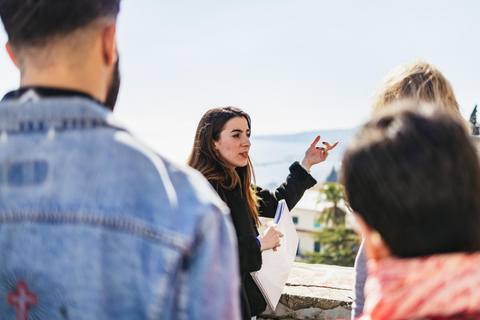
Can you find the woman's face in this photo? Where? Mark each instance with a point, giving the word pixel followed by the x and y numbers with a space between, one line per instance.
pixel 234 142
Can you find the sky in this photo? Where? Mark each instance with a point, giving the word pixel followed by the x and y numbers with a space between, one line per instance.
pixel 293 65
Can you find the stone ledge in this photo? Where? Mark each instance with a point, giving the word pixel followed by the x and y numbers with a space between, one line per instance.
pixel 315 291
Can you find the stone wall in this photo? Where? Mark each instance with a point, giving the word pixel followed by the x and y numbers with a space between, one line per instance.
pixel 315 291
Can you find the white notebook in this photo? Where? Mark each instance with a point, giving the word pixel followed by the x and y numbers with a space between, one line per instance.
pixel 276 265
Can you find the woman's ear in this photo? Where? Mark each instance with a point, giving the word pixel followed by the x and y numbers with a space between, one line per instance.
pixel 11 54
pixel 376 247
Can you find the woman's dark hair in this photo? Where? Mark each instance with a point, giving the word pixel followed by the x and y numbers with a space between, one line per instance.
pixel 33 22
pixel 205 159
pixel 415 178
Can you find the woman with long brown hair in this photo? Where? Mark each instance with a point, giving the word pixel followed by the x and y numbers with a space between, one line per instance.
pixel 220 153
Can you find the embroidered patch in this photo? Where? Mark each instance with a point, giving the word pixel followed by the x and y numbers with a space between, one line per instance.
pixel 26 296
pixel 22 299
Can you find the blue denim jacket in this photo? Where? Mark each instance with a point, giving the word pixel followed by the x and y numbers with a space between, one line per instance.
pixel 93 225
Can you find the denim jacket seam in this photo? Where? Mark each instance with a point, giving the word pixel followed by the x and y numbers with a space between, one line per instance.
pixel 161 236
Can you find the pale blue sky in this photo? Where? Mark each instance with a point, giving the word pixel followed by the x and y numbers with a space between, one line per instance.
pixel 293 65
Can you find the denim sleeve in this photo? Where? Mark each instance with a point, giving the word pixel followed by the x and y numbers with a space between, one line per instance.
pixel 360 278
pixel 212 273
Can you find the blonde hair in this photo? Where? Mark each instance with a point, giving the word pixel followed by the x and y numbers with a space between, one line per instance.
pixel 418 81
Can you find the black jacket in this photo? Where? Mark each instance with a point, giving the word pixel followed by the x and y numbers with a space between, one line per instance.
pixel 250 255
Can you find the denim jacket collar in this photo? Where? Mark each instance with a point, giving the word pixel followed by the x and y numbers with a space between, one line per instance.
pixel 47 92
pixel 31 112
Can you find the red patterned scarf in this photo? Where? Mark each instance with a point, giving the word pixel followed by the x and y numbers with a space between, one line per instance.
pixel 434 287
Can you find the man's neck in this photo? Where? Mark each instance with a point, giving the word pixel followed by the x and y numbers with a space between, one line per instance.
pixel 63 78
pixel 47 92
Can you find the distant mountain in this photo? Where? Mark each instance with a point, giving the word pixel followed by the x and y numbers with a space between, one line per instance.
pixel 273 154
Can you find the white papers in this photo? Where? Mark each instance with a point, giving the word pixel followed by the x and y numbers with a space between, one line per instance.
pixel 276 265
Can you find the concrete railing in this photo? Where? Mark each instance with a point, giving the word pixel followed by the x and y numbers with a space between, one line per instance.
pixel 315 291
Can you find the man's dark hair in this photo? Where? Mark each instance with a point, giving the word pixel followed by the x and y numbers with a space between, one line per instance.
pixel 33 22
pixel 416 180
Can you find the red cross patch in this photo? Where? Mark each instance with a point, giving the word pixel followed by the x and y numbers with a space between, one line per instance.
pixel 22 299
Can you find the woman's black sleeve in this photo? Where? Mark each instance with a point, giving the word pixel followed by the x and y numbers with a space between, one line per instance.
pixel 250 254
pixel 291 190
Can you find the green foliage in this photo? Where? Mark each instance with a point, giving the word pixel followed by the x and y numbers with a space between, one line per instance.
pixel 334 193
pixel 339 247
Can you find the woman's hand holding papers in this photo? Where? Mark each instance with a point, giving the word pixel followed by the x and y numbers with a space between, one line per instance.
pixel 270 238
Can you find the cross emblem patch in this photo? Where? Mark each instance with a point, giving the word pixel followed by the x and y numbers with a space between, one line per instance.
pixel 22 299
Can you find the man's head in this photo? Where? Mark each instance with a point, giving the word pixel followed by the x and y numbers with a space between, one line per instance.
pixel 414 181
pixel 36 22
pixel 49 38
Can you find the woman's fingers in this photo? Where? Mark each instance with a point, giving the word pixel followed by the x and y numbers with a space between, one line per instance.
pixel 330 147
pixel 314 143
pixel 270 238
pixel 278 243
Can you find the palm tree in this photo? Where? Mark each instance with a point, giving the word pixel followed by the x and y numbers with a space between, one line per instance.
pixel 333 193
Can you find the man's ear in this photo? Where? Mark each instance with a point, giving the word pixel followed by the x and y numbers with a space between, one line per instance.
pixel 10 53
pixel 109 44
pixel 376 247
